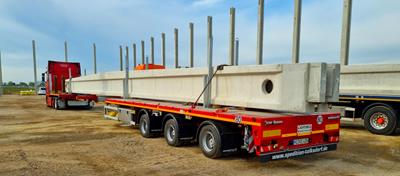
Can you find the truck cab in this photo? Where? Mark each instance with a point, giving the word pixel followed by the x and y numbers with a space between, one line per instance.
pixel 56 94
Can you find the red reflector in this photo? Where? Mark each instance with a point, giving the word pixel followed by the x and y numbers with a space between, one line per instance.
pixel 333 138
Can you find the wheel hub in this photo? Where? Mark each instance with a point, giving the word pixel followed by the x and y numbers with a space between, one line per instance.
pixel 171 133
pixel 208 142
pixel 144 127
pixel 379 121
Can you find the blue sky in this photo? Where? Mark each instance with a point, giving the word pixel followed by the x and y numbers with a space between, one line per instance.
pixel 375 37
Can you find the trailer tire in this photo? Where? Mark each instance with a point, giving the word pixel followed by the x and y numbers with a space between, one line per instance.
pixel 144 125
pixel 210 141
pixel 380 119
pixel 171 132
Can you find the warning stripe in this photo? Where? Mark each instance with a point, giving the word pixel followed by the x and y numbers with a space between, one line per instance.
pixel 183 113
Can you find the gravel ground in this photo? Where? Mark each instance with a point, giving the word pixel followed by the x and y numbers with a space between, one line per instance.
pixel 36 140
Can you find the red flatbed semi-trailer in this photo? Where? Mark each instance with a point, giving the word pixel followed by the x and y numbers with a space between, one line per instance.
pixel 270 135
pixel 56 95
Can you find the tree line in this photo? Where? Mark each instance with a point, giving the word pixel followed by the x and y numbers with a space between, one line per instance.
pixel 21 84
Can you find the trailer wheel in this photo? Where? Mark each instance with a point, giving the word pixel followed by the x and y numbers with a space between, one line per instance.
pixel 380 119
pixel 144 125
pixel 171 133
pixel 210 141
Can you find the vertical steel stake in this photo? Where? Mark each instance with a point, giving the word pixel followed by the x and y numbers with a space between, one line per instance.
pixel 134 55
pixel 142 42
pixel 346 28
pixel 121 67
pixel 126 88
pixel 231 37
pixel 152 49
pixel 163 48
pixel 296 31
pixel 260 32
pixel 66 51
pixel 1 78
pixel 191 44
pixel 176 48
pixel 94 59
pixel 237 51
pixel 34 66
pixel 207 93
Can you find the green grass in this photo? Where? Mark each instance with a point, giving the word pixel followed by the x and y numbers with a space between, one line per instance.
pixel 13 90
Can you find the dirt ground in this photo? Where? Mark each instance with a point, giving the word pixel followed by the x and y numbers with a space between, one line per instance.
pixel 36 140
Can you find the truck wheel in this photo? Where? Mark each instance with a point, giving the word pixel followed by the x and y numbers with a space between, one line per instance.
pixel 55 101
pixel 59 104
pixel 144 125
pixel 210 141
pixel 91 104
pixel 380 120
pixel 171 133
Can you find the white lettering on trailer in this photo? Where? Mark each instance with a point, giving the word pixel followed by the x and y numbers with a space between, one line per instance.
pixel 300 152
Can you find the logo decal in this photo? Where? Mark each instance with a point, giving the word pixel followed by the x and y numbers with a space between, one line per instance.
pixel 320 119
pixel 238 119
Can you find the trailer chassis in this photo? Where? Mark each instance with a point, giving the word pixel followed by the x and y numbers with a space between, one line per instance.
pixel 220 131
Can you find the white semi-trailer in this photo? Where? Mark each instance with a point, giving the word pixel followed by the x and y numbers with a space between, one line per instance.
pixel 372 92
pixel 274 111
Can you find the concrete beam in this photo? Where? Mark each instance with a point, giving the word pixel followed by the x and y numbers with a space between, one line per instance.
pixel 260 32
pixel 34 66
pixel 251 86
pixel 231 51
pixel 346 28
pixel 370 79
pixel 296 31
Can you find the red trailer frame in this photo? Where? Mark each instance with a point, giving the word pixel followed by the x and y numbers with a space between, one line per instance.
pixel 270 135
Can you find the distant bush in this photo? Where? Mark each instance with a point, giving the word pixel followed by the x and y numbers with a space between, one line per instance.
pixel 14 90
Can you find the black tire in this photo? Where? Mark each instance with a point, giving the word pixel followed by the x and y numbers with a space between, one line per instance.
pixel 210 141
pixel 55 105
pixel 144 125
pixel 90 105
pixel 380 119
pixel 171 133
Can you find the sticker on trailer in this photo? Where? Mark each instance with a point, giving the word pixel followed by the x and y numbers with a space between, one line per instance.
pixel 301 141
pixel 306 128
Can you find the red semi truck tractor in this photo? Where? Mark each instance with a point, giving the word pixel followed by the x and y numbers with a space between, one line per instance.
pixel 56 94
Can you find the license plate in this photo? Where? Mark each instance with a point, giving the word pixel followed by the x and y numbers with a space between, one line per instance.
pixel 305 128
pixel 301 141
